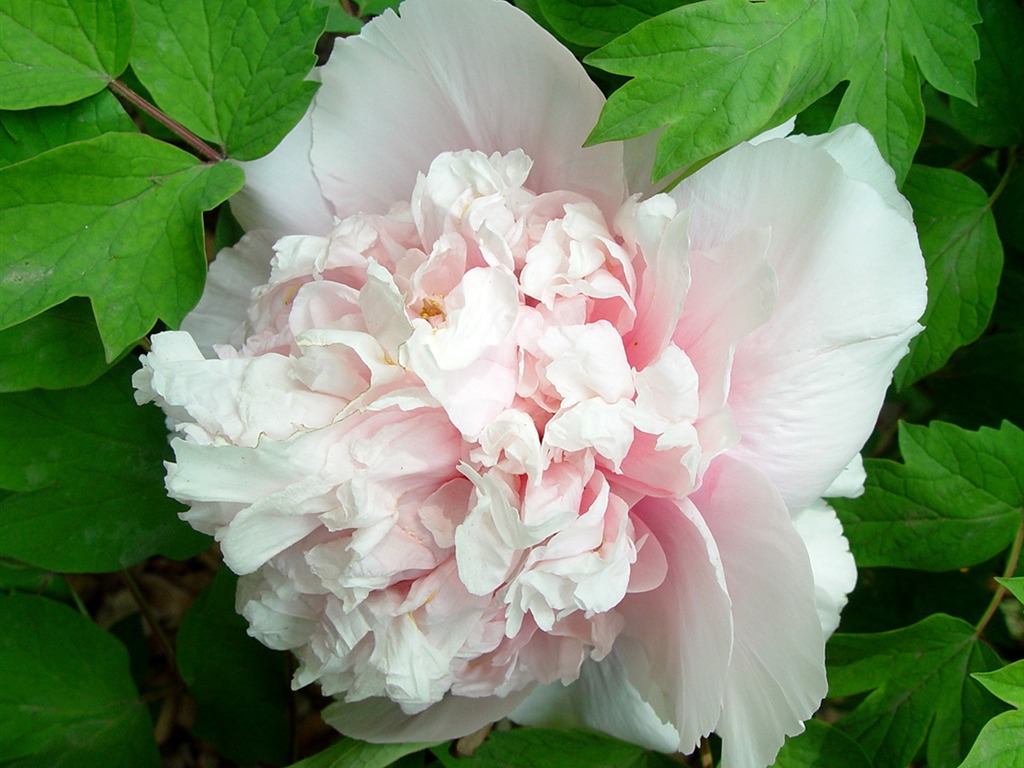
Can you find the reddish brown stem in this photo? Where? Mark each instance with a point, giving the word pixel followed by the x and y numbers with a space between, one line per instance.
pixel 201 147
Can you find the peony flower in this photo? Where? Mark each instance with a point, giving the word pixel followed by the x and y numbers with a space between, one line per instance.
pixel 484 435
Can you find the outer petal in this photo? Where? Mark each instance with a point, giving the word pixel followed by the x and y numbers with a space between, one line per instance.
pixel 776 676
pixel 807 385
pixel 663 684
pixel 835 572
pixel 220 316
pixel 381 721
pixel 602 698
pixel 451 75
pixel 678 637
pixel 281 193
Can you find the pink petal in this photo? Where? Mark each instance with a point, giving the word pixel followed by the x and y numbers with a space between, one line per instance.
pixel 603 698
pixel 678 637
pixel 381 721
pixel 776 677
pixel 220 316
pixel 452 75
pixel 806 386
pixel 281 193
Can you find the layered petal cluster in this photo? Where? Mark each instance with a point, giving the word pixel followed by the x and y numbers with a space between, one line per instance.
pixel 485 436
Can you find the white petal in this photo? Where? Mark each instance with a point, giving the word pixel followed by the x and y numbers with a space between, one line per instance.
pixel 381 721
pixel 850 483
pixel 776 676
pixel 220 316
pixel 281 194
pixel 807 385
pixel 257 534
pixel 678 637
pixel 835 572
pixel 452 75
pixel 855 149
pixel 778 132
pixel 660 232
pixel 733 293
pixel 587 361
pixel 603 699
pixel 593 423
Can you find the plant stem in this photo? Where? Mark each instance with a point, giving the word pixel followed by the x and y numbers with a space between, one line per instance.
pixel 1010 166
pixel 151 619
pixel 997 598
pixel 706 758
pixel 201 147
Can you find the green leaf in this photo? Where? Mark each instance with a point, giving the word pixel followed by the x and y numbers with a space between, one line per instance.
pixel 222 667
pixel 922 693
pixel 592 24
pixel 1007 210
pixel 1006 683
pixel 341 23
pixel 561 749
pixel 67 700
pixel 59 51
pixel 57 349
pixel 233 71
pixel 87 467
pixel 981 383
pixel 377 7
pixel 116 218
pixel 349 753
pixel 1015 586
pixel 955 502
pixel 899 41
pixel 30 132
pixel 998 119
pixel 964 259
pixel 821 746
pixel 18 577
pixel 719 72
pixel 999 743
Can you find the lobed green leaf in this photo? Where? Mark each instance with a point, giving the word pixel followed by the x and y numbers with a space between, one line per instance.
pixel 898 42
pixel 821 746
pixel 60 51
pixel 57 349
pixel 1015 586
pixel 223 666
pixel 718 72
pixel 19 577
pixel 999 743
pixel 922 692
pixel 561 749
pixel 955 502
pixel 964 259
pixel 86 465
pixel 30 132
pixel 233 71
pixel 998 118
pixel 68 700
pixel 592 24
pixel 1007 683
pixel 115 218
pixel 349 753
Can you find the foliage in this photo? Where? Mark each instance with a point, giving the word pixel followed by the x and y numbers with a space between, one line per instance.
pixel 119 120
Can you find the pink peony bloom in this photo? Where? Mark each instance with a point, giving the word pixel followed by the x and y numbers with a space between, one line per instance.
pixel 485 436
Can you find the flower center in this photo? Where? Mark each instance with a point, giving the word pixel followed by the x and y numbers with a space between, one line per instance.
pixel 488 417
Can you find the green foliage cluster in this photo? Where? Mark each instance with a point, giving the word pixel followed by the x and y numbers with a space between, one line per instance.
pixel 119 120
